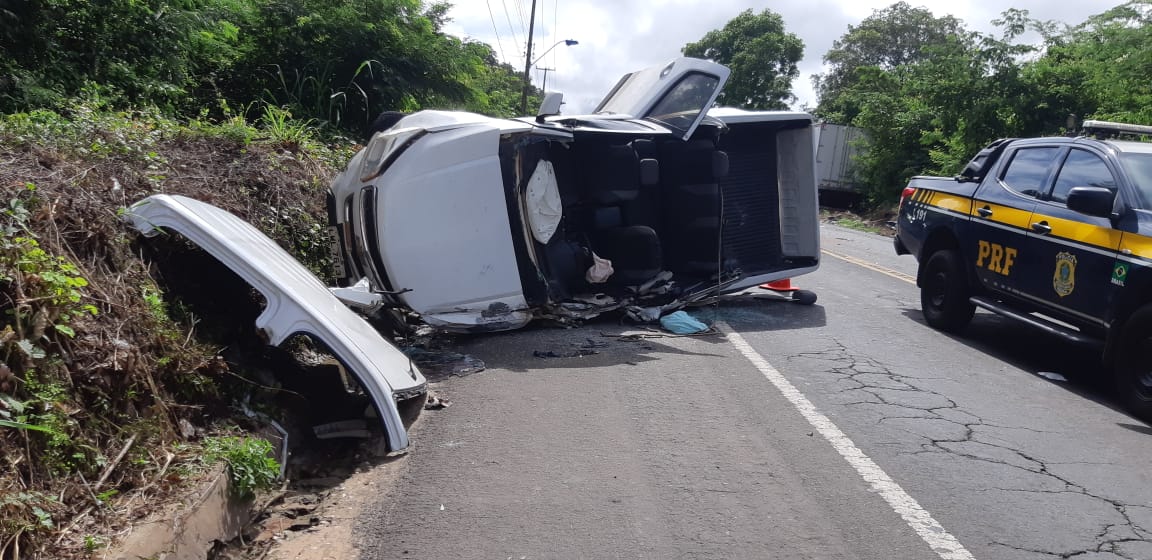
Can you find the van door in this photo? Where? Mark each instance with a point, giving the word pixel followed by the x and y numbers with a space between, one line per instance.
pixel 675 95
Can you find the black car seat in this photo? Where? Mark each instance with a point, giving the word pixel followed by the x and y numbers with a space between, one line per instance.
pixel 614 175
pixel 634 251
pixel 691 205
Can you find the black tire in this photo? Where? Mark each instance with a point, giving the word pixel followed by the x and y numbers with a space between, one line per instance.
pixel 944 292
pixel 1134 364
pixel 804 297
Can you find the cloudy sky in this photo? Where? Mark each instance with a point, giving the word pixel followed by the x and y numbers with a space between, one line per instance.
pixel 618 36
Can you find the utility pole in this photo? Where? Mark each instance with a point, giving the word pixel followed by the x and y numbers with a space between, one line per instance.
pixel 528 62
pixel 544 86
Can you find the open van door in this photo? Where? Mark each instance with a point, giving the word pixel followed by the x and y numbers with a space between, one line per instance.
pixel 675 96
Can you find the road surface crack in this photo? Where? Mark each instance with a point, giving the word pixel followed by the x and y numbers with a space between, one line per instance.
pixel 876 385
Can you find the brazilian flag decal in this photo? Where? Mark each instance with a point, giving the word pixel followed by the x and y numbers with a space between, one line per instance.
pixel 1119 273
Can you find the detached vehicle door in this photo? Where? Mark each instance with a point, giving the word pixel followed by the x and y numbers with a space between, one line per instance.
pixel 675 96
pixel 1001 214
pixel 1070 254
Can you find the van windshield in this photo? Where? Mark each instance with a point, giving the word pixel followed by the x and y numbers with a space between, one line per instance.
pixel 682 105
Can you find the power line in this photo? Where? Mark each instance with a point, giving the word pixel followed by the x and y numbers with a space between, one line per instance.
pixel 492 17
pixel 508 17
pixel 555 30
pixel 523 20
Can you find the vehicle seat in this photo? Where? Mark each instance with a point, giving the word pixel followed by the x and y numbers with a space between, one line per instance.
pixel 691 210
pixel 611 173
pixel 634 251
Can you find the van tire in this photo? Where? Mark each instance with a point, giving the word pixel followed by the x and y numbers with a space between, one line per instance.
pixel 944 292
pixel 1133 371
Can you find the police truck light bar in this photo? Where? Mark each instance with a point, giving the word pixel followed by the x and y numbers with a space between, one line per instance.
pixel 1117 128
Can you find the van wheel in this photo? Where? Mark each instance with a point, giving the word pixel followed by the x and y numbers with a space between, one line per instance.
pixel 804 297
pixel 944 292
pixel 1134 364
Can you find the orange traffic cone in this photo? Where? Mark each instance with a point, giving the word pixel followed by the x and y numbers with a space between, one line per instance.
pixel 783 285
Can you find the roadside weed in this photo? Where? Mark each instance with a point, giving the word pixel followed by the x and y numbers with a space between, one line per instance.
pixel 250 462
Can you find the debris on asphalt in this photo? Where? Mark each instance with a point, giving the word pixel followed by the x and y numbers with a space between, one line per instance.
pixel 1051 376
pixel 436 402
pixel 444 363
pixel 343 429
pixel 576 353
pixel 587 348
pixel 681 322
pixel 645 314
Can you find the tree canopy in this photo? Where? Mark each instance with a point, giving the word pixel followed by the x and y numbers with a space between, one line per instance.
pixel 895 37
pixel 337 63
pixel 761 55
pixel 930 93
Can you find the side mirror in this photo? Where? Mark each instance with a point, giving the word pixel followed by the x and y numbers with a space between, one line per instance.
pixel 551 104
pixel 1093 201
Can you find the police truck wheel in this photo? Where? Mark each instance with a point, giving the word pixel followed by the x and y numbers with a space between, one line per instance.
pixel 1134 364
pixel 944 292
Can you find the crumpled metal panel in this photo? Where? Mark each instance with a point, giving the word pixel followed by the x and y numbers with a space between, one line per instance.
pixel 298 302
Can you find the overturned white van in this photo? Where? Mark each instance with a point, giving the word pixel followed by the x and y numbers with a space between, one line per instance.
pixel 652 203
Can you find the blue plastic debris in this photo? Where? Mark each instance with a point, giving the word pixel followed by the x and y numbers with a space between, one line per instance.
pixel 682 323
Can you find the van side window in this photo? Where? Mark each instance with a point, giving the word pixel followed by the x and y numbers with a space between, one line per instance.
pixel 1081 169
pixel 1028 170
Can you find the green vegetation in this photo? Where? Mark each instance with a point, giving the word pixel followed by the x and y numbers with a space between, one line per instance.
pixel 761 55
pixel 337 64
pixel 250 463
pixel 102 359
pixel 931 93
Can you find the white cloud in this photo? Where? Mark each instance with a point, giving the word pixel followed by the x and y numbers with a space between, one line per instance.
pixel 618 36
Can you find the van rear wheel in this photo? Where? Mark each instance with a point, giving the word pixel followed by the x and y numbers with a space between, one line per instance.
pixel 1134 364
pixel 944 292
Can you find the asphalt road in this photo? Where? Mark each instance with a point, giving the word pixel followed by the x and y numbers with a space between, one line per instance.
pixel 844 430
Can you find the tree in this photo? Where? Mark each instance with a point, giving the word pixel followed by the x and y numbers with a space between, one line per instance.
pixel 896 36
pixel 761 55
pixel 1100 68
pixel 495 85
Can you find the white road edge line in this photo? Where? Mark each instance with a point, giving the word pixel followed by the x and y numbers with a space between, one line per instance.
pixel 941 541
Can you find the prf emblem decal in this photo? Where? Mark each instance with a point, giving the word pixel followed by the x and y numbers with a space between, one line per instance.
pixel 995 257
pixel 1064 280
pixel 1119 273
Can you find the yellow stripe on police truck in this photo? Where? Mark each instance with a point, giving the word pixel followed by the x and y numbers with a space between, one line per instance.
pixel 954 203
pixel 1103 237
pixel 1006 215
pixel 1136 245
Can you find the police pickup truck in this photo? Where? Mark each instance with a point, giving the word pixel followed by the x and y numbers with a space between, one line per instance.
pixel 1053 232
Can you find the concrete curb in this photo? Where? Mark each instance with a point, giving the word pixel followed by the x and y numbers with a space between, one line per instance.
pixel 215 515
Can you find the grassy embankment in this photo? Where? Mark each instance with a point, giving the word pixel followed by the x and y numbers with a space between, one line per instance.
pixel 122 359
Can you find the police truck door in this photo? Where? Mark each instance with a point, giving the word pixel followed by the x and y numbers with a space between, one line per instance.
pixel 1001 211
pixel 1072 254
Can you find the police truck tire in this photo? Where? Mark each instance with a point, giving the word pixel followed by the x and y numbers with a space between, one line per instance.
pixel 944 292
pixel 1134 364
